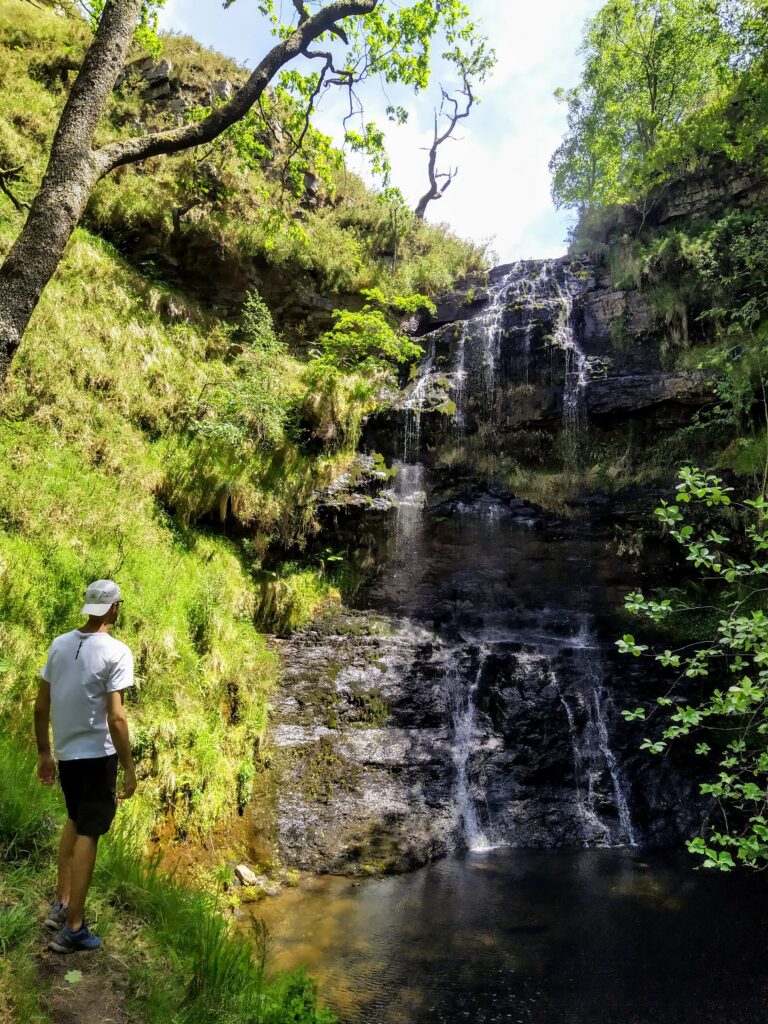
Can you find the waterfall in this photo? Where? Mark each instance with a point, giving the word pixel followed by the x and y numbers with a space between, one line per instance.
pixel 414 406
pixel 592 753
pixel 409 497
pixel 463 707
pixel 622 807
pixel 475 369
pixel 502 352
pixel 576 365
pixel 527 298
pixel 586 807
pixel 460 378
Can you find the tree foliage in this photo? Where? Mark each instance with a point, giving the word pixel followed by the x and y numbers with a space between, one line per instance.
pixel 370 339
pixel 392 44
pixel 340 43
pixel 655 78
pixel 722 646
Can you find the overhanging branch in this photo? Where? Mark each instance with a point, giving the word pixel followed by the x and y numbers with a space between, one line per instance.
pixel 133 150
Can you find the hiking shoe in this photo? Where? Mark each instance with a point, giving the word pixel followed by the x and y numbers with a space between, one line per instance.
pixel 56 917
pixel 66 941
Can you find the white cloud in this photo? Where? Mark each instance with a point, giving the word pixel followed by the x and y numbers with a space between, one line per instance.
pixel 502 189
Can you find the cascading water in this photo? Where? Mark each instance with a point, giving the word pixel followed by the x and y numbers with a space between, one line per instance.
pixel 494 348
pixel 594 829
pixel 409 498
pixel 622 806
pixel 478 707
pixel 576 368
pixel 523 298
pixel 592 752
pixel 414 407
pixel 462 702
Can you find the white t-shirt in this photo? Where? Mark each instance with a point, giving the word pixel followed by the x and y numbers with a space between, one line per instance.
pixel 82 668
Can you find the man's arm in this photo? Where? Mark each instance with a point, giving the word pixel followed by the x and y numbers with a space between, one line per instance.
pixel 46 766
pixel 117 720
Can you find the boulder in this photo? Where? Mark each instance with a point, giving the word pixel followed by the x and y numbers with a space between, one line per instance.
pixel 245 875
pixel 155 72
pixel 221 91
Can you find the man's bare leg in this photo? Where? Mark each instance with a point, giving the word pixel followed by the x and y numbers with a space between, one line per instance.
pixel 83 861
pixel 66 849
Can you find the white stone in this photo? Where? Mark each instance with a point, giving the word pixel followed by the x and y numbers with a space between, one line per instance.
pixel 246 875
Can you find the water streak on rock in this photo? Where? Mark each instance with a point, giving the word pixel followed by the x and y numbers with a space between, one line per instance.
pixel 414 407
pixel 462 703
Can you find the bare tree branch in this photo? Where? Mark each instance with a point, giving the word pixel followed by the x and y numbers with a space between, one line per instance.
pixel 303 12
pixel 7 178
pixel 450 108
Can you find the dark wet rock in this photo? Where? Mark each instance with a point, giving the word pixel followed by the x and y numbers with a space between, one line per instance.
pixel 459 304
pixel 640 391
pixel 381 763
pixel 710 189
pixel 607 312
pixel 361 749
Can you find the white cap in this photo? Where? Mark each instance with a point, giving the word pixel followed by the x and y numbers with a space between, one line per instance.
pixel 100 596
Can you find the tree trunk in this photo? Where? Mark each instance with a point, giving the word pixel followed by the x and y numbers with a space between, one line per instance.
pixel 72 172
pixel 33 259
pixel 421 208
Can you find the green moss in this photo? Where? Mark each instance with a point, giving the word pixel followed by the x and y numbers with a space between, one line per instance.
pixel 325 770
pixel 372 710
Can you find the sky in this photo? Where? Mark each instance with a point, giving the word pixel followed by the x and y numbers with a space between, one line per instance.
pixel 501 194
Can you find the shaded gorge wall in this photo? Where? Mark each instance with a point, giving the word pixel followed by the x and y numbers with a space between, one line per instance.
pixel 472 696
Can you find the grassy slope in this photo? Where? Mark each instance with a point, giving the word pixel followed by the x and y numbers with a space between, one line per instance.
pixel 111 466
pixel 105 467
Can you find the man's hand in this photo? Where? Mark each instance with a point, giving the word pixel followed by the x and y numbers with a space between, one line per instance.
pixel 129 785
pixel 46 769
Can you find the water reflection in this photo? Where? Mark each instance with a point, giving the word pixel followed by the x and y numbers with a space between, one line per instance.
pixel 536 937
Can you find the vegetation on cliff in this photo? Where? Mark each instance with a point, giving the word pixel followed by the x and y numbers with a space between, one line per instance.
pixel 665 162
pixel 665 83
pixel 363 40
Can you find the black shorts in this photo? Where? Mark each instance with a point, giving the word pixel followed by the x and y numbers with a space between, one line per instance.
pixel 90 793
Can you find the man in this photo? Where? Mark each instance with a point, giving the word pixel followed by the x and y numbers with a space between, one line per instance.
pixel 82 689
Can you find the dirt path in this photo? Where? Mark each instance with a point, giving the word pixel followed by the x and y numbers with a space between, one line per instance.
pixel 84 988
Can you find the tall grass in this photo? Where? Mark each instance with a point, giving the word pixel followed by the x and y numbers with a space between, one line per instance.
pixel 221 976
pixel 188 964
pixel 28 810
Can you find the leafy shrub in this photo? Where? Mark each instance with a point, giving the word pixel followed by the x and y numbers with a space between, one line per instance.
pixel 365 337
pixel 725 542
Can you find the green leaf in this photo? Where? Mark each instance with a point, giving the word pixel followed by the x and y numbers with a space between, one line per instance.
pixel 72 977
pixel 633 716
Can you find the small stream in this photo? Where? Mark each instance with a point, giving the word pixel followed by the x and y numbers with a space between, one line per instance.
pixel 533 937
